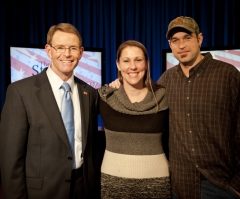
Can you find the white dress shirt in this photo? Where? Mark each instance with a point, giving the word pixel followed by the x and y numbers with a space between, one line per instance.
pixel 56 82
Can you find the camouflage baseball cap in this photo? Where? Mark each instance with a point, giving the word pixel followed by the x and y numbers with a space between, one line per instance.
pixel 187 23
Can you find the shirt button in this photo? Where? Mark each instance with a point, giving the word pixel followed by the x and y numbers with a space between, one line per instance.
pixel 192 149
pixel 188 114
pixel 190 131
pixel 189 81
pixel 187 97
pixel 196 165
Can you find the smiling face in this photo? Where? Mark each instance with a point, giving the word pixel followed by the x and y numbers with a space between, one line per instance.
pixel 64 63
pixel 186 48
pixel 132 65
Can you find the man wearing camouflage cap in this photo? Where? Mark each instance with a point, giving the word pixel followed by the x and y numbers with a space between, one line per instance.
pixel 204 103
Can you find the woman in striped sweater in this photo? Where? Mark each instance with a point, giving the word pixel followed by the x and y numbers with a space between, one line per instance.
pixel 135 116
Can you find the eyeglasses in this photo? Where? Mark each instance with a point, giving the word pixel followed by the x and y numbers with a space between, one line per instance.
pixel 61 49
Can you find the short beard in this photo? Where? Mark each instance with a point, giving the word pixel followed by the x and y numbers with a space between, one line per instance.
pixel 183 56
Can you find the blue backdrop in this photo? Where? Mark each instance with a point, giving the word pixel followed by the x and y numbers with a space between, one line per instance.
pixel 107 23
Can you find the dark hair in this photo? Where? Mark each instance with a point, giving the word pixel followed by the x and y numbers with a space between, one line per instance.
pixel 147 79
pixel 64 27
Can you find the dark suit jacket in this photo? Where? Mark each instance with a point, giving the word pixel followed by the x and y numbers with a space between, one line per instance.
pixel 35 152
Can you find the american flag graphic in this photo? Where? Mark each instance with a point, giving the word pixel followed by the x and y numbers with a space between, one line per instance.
pixel 26 62
pixel 229 56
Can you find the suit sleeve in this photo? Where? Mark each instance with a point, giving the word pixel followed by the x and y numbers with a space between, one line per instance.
pixel 14 134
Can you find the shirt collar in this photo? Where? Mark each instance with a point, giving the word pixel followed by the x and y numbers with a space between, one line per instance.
pixel 56 81
pixel 199 66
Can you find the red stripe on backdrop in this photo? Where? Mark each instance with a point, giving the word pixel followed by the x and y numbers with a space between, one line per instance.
pixel 89 57
pixel 230 61
pixel 38 57
pixel 234 52
pixel 90 68
pixel 169 65
pixel 18 65
pixel 44 61
pixel 88 81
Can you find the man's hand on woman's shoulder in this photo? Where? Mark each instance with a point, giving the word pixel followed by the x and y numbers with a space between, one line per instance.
pixel 115 84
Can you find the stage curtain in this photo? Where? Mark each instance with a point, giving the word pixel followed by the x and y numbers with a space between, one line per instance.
pixel 107 23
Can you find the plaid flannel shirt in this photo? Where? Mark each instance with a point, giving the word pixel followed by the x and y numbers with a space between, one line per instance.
pixel 204 126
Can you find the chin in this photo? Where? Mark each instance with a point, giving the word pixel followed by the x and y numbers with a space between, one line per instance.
pixel 184 60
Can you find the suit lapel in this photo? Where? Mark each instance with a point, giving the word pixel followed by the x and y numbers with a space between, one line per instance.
pixel 50 107
pixel 84 97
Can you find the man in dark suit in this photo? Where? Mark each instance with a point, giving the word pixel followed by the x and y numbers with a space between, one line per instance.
pixel 36 158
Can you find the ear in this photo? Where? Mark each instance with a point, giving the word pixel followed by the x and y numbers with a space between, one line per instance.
pixel 118 66
pixel 48 50
pixel 81 52
pixel 169 42
pixel 200 39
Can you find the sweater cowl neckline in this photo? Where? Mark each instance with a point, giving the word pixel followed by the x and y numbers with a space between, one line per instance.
pixel 119 101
